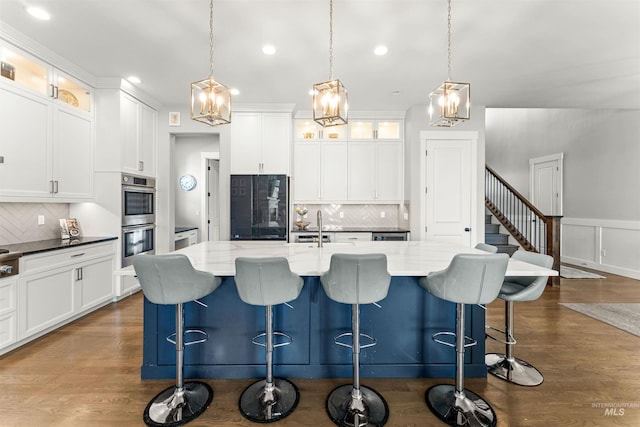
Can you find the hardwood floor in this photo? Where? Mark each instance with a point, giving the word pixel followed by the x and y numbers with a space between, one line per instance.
pixel 87 373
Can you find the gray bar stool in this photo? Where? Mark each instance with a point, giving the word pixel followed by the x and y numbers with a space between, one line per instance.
pixel 507 366
pixel 356 279
pixel 171 279
pixel 266 282
pixel 469 279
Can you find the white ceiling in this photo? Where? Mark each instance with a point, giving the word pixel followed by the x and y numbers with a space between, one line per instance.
pixel 515 53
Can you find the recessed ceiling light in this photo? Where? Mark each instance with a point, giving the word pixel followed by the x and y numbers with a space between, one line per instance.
pixel 134 79
pixel 268 49
pixel 234 92
pixel 38 13
pixel 395 93
pixel 380 50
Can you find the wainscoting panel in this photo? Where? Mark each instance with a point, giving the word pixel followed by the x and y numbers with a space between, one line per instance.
pixel 605 245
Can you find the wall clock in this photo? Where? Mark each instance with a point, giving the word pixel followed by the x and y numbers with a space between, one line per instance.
pixel 187 182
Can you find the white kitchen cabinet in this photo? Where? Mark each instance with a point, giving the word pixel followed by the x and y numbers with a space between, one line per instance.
pixel 138 123
pixel 27 72
pixel 320 171
pixel 58 286
pixel 305 129
pixel 375 171
pixel 375 129
pixel 184 239
pixel 260 143
pixel 359 236
pixel 8 316
pixel 49 148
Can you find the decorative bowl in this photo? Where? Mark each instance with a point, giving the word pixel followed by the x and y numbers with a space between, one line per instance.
pixel 302 225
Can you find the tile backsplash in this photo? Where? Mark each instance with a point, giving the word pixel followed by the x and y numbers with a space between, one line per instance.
pixel 349 215
pixel 19 221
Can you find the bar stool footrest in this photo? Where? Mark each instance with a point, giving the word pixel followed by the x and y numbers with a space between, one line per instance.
pixel 171 338
pixel 508 340
pixel 469 342
pixel 337 341
pixel 256 340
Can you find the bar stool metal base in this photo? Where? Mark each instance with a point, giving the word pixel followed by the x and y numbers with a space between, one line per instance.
pixel 348 411
pixel 172 407
pixel 515 371
pixel 459 409
pixel 262 406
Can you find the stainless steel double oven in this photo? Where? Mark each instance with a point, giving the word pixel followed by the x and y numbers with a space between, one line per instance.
pixel 138 217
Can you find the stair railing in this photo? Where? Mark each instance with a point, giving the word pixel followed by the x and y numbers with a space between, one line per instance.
pixel 532 229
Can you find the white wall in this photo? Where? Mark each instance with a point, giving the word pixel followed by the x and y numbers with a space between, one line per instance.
pixel 601 203
pixel 417 120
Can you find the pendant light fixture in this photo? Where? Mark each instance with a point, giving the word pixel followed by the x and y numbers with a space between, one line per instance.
pixel 210 100
pixel 330 100
pixel 452 99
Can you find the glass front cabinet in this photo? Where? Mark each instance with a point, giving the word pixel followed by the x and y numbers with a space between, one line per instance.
pixel 27 72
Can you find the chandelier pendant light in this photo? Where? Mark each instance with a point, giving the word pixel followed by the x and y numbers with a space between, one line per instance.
pixel 210 100
pixel 330 98
pixel 452 99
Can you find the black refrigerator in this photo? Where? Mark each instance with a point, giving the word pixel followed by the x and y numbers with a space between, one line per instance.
pixel 259 207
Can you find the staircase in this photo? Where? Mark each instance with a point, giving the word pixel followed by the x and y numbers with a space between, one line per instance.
pixel 533 230
pixel 492 236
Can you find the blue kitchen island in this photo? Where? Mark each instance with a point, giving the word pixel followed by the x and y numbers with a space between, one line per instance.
pixel 403 324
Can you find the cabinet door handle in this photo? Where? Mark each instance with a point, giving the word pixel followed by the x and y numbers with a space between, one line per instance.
pixel 77 255
pixel 51 187
pixel 55 186
pixel 79 275
pixel 140 166
pixel 52 93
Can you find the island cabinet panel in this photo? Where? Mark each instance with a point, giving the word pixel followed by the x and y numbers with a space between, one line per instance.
pixel 403 327
pixel 230 324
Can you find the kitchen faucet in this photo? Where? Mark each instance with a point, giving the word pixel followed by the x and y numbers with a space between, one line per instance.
pixel 319 228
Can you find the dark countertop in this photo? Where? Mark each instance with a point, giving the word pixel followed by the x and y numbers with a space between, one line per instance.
pixel 186 228
pixel 349 229
pixel 30 248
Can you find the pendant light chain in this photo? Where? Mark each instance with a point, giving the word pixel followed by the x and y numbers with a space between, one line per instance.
pixel 210 38
pixel 330 39
pixel 449 40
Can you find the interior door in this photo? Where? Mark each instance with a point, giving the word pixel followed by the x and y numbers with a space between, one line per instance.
pixel 448 190
pixel 545 175
pixel 213 200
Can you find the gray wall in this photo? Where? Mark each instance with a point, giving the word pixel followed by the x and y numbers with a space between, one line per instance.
pixel 601 156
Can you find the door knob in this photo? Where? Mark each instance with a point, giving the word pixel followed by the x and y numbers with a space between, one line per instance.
pixel 467 229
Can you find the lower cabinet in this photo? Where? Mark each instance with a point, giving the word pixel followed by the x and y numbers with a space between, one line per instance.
pixel 58 286
pixel 8 317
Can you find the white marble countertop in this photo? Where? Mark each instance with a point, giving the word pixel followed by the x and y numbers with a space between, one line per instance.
pixel 410 258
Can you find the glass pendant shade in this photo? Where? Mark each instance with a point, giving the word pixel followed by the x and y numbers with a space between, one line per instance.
pixel 210 102
pixel 450 104
pixel 330 103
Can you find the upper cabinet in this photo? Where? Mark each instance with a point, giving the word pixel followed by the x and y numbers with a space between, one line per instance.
pixel 362 162
pixel 390 130
pixel 138 124
pixel 46 124
pixel 27 72
pixel 307 129
pixel 260 143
